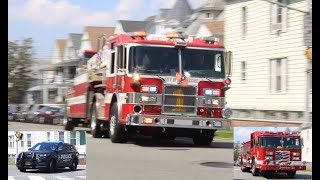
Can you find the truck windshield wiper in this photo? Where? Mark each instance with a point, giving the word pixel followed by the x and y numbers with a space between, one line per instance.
pixel 159 77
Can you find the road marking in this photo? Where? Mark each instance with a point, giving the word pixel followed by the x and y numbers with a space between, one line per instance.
pixel 64 178
pixel 36 178
pixel 83 177
pixel 11 178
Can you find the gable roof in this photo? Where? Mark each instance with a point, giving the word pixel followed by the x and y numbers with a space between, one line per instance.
pixel 180 10
pixel 130 26
pixel 213 5
pixel 61 43
pixel 162 14
pixel 94 32
pixel 215 27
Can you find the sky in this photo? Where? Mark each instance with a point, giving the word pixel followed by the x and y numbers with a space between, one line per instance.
pixel 48 20
pixel 242 134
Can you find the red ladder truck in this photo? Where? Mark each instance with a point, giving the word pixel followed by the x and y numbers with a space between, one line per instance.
pixel 169 87
pixel 270 152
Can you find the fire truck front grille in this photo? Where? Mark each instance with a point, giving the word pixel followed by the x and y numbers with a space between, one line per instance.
pixel 179 99
pixel 282 156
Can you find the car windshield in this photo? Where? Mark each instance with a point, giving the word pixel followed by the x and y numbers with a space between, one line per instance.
pixel 45 147
pixel 285 142
pixel 165 61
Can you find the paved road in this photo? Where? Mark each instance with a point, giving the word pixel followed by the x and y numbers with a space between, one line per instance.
pixel 238 175
pixel 34 174
pixel 14 125
pixel 143 159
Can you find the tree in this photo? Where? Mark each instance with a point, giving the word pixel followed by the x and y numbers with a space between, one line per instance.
pixel 236 150
pixel 20 54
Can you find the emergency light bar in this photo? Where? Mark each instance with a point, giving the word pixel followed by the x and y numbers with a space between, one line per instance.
pixel 211 40
pixel 138 33
pixel 176 35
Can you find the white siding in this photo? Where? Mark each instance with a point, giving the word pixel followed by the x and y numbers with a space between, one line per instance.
pixel 257 48
pixel 306 134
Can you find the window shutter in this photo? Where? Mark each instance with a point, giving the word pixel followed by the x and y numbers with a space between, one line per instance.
pixel 284 17
pixel 273 17
pixel 284 75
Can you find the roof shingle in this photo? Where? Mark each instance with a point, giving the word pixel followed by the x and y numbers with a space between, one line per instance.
pixel 61 43
pixel 94 32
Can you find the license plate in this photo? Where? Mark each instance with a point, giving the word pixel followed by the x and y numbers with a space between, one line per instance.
pixel 27 163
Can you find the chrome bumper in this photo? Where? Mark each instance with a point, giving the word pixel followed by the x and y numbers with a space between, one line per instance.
pixel 178 121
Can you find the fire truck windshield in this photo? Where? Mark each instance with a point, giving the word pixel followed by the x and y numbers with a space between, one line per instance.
pixel 285 142
pixel 165 61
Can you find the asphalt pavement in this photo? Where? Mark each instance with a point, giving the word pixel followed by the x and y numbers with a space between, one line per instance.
pixel 35 174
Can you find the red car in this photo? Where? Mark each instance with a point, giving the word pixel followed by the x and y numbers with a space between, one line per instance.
pixel 46 114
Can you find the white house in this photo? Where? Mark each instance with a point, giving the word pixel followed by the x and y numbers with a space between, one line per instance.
pixel 271 76
pixel 31 138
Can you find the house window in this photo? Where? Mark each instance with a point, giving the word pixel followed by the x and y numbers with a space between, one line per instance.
pixel 61 136
pixel 278 75
pixel 11 141
pixel 243 70
pixel 73 137
pixel 279 17
pixel 48 136
pixel 244 21
pixel 28 140
pixel 208 15
pixel 22 143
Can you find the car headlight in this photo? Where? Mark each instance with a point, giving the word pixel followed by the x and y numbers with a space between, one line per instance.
pixel 43 155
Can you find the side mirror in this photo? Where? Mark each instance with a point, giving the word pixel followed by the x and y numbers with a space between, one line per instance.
pixel 228 62
pixel 29 149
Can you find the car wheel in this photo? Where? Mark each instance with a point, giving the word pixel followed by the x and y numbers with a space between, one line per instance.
pixel 117 131
pixel 74 165
pixel 52 166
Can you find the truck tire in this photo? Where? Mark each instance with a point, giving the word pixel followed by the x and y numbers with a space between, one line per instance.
pixel 68 125
pixel 291 173
pixel 204 139
pixel 242 167
pixel 95 124
pixel 254 169
pixel 117 131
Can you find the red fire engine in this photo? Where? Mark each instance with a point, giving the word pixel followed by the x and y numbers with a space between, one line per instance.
pixel 270 152
pixel 163 88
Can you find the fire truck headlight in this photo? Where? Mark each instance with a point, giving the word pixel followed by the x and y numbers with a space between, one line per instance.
pixel 211 92
pixel 296 154
pixel 148 99
pixel 226 112
pixel 149 89
pixel 295 158
pixel 269 157
pixel 269 153
pixel 136 77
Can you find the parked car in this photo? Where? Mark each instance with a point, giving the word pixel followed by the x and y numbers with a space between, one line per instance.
pixel 49 156
pixel 22 112
pixel 46 114
pixel 33 111
pixel 12 112
pixel 59 116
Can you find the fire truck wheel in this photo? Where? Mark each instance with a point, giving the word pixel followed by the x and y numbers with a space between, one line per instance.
pixel 204 139
pixel 117 131
pixel 254 170
pixel 291 173
pixel 68 125
pixel 95 124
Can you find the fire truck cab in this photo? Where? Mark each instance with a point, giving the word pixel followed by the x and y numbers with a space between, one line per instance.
pixel 271 152
pixel 163 88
